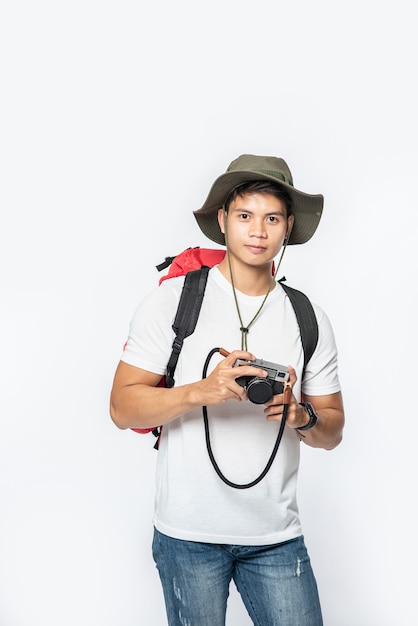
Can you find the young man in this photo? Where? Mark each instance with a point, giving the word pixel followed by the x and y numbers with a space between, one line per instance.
pixel 209 530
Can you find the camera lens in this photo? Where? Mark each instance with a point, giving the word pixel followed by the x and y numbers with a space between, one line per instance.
pixel 259 390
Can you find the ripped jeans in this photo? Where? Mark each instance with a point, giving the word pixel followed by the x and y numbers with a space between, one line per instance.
pixel 276 582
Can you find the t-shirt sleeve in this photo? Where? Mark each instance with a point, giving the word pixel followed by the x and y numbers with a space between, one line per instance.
pixel 321 374
pixel 151 336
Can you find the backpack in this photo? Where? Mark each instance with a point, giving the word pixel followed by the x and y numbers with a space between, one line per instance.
pixel 195 264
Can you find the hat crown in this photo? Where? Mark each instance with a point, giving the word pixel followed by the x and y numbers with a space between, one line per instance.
pixel 268 166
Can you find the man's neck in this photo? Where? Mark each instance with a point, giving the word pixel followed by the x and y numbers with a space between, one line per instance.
pixel 253 281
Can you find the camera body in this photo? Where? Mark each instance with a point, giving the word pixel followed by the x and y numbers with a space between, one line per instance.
pixel 260 390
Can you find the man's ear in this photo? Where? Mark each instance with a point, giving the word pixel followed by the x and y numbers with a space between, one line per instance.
pixel 221 216
pixel 290 222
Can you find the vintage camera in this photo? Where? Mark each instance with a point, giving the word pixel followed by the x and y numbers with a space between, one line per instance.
pixel 260 390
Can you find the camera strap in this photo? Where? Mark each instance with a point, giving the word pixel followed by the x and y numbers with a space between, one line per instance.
pixel 215 465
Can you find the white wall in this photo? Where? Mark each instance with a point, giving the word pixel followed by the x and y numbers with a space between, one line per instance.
pixel 116 117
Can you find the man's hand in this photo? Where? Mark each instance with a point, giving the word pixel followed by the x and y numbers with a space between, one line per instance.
pixel 327 432
pixel 296 415
pixel 221 385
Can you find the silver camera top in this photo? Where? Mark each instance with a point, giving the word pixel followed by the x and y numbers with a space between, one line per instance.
pixel 274 370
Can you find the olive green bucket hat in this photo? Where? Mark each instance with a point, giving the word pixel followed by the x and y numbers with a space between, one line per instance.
pixel 306 208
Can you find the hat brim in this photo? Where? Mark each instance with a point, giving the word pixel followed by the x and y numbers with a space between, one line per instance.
pixel 306 208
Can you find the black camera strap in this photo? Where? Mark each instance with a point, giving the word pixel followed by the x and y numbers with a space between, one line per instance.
pixel 209 446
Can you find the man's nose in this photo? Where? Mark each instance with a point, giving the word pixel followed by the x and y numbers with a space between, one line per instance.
pixel 257 228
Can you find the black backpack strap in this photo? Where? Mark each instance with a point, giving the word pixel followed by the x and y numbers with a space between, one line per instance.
pixel 187 315
pixel 306 318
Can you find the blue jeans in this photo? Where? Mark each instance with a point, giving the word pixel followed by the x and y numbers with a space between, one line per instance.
pixel 276 582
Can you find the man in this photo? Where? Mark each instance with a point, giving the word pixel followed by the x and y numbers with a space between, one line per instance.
pixel 211 527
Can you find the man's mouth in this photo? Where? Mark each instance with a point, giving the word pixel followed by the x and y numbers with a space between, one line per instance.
pixel 256 249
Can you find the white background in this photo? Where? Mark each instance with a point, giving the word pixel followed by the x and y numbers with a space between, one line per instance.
pixel 116 117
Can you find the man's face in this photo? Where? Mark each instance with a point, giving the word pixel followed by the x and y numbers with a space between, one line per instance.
pixel 256 227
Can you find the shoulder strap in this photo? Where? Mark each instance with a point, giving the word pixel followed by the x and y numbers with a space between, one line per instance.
pixel 187 315
pixel 306 318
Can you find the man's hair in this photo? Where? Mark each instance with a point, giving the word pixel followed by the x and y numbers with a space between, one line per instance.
pixel 263 187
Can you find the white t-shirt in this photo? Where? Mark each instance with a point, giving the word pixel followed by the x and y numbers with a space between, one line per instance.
pixel 191 501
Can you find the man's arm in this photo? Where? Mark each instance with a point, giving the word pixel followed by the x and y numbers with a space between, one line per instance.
pixel 328 430
pixel 137 402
